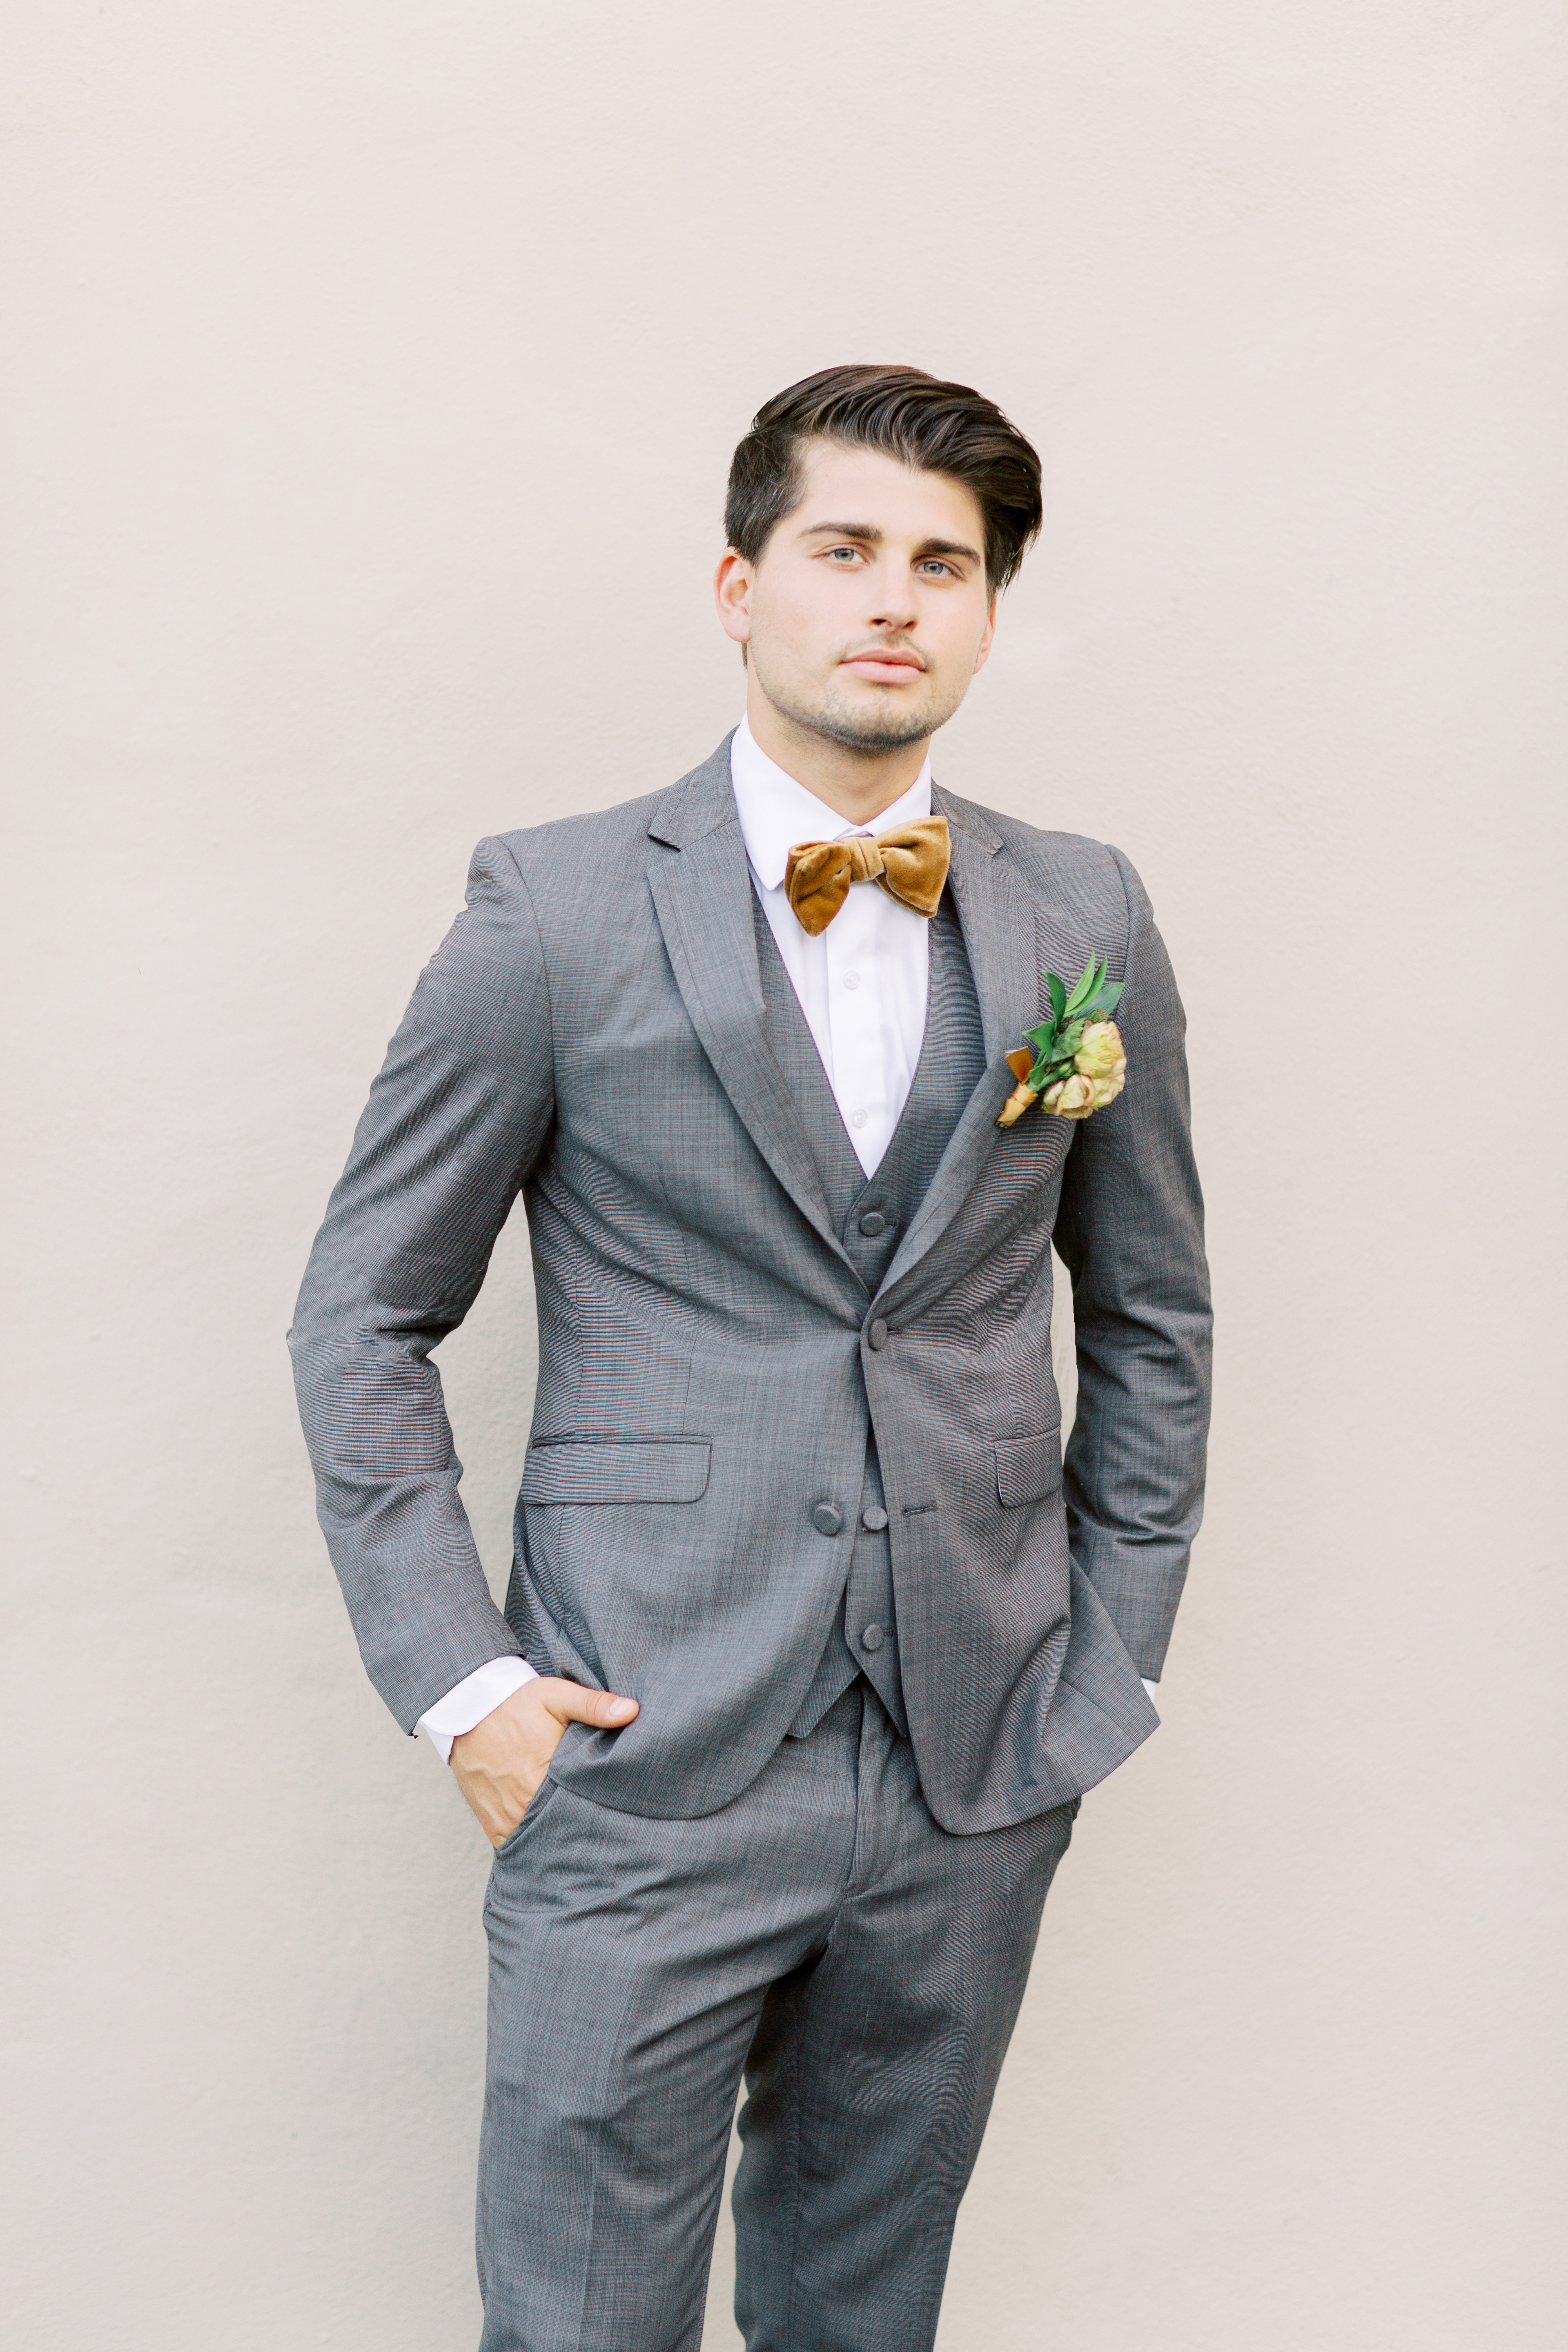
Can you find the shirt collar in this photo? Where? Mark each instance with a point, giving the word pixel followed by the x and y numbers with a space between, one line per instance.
pixel 776 813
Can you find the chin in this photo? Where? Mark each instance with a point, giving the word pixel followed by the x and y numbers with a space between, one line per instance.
pixel 877 725
pixel 872 720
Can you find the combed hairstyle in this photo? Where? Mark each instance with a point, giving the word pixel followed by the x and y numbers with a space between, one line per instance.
pixel 943 428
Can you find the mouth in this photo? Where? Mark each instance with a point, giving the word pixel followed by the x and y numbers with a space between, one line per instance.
pixel 885 665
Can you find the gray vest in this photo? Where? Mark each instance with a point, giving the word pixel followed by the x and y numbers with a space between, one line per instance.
pixel 872 1212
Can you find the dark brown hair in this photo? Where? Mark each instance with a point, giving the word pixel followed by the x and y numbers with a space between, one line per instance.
pixel 943 428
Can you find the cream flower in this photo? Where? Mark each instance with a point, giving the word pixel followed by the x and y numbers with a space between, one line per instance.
pixel 1101 1053
pixel 1070 1098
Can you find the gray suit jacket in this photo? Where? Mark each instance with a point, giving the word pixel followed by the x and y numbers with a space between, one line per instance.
pixel 591 1032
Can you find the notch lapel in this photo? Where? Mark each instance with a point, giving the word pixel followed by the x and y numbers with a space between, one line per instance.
pixel 998 916
pixel 703 901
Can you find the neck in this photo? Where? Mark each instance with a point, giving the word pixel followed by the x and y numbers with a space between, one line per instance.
pixel 858 784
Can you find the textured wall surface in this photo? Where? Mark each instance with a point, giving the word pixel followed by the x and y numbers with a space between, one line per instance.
pixel 373 373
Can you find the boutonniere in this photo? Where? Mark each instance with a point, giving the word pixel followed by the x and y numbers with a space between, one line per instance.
pixel 1079 1063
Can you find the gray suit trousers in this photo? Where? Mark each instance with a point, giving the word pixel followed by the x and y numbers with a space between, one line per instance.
pixel 821 1933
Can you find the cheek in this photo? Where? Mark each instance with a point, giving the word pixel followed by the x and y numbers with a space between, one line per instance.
pixel 797 626
pixel 958 639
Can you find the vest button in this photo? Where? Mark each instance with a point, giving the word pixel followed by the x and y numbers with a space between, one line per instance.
pixel 874 1518
pixel 877 1337
pixel 825 1519
pixel 871 1639
pixel 872 1223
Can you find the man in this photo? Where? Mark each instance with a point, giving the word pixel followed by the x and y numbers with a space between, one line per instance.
pixel 810 1645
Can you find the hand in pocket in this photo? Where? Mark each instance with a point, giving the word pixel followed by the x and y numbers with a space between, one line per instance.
pixel 500 1764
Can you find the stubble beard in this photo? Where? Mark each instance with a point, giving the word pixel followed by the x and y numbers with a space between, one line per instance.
pixel 871 732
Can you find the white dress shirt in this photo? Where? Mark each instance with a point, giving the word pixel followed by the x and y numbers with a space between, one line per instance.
pixel 862 985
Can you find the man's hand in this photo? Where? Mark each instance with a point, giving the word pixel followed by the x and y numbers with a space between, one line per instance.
pixel 500 1763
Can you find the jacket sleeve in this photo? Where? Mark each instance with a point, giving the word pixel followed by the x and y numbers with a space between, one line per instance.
pixel 455 1123
pixel 1130 1231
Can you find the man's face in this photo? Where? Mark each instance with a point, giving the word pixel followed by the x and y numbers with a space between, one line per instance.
pixel 867 613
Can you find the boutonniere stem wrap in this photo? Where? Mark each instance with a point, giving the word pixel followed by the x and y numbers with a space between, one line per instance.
pixel 1075 1063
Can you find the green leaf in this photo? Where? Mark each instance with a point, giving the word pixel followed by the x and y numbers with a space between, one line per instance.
pixel 1101 1006
pixel 1088 981
pixel 1056 1041
pixel 1051 1063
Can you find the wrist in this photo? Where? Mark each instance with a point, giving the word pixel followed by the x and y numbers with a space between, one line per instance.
pixel 468 1702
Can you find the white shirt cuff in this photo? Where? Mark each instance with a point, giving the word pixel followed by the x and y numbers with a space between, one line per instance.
pixel 1150 1687
pixel 469 1701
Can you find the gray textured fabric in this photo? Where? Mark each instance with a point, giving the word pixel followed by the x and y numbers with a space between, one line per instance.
pixel 865 1967
pixel 951 1064
pixel 864 1638
pixel 593 1031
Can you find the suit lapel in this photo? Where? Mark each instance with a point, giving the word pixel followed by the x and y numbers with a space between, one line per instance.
pixel 996 914
pixel 703 901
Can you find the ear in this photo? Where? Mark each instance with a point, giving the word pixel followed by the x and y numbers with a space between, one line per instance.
pixel 732 595
pixel 990 631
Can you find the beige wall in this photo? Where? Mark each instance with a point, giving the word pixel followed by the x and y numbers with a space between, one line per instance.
pixel 376 373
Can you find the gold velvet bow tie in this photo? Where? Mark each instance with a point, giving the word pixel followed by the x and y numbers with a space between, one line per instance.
pixel 910 863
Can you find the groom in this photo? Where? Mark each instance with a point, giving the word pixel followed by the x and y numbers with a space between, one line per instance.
pixel 812 1641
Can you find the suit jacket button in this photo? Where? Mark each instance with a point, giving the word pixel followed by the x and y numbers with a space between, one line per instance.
pixel 877 1337
pixel 872 1223
pixel 871 1639
pixel 825 1519
pixel 874 1518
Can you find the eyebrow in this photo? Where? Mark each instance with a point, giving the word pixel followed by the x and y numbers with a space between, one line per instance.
pixel 873 538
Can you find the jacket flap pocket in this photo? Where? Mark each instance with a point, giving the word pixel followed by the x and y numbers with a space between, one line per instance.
pixel 1029 1468
pixel 617 1470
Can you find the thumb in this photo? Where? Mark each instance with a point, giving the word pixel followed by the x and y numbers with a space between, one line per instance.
pixel 601 1708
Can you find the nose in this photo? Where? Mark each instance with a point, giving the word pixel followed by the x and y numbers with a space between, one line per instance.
pixel 893 602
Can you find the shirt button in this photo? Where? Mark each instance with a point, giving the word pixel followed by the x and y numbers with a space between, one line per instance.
pixel 877 1337
pixel 873 1223
pixel 871 1639
pixel 851 980
pixel 874 1518
pixel 825 1519
pixel 858 1118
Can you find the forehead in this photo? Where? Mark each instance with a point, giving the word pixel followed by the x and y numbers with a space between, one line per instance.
pixel 848 485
